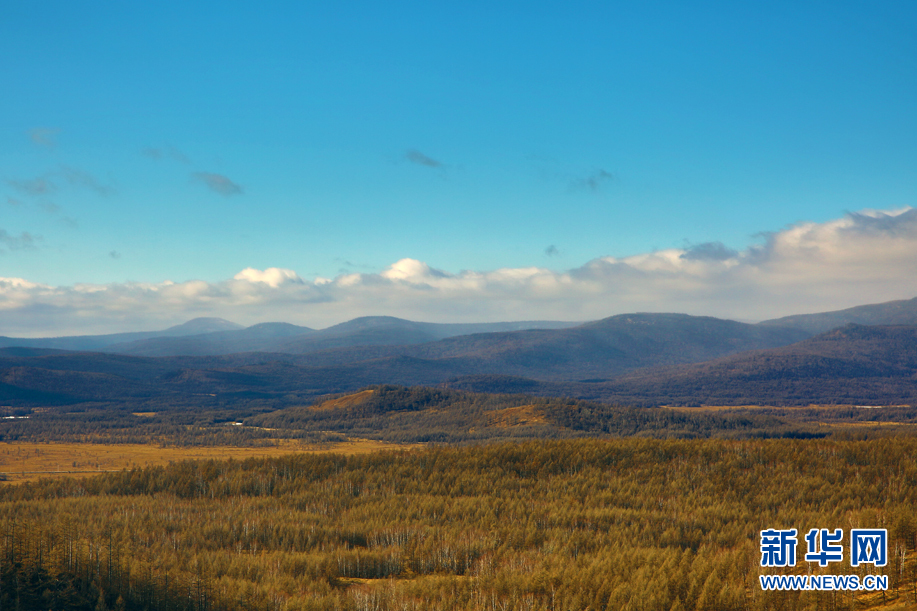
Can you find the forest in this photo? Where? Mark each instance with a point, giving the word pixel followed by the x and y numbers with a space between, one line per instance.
pixel 412 415
pixel 574 524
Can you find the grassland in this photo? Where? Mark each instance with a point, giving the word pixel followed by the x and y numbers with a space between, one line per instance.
pixel 22 462
pixel 786 408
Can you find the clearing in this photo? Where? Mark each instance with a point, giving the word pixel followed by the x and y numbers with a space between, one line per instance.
pixel 22 462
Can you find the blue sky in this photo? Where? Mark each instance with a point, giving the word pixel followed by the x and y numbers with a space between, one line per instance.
pixel 183 143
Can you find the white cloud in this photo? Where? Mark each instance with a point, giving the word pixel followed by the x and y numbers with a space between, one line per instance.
pixel 410 270
pixel 272 276
pixel 864 257
pixel 18 283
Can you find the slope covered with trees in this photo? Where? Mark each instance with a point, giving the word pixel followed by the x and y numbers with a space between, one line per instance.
pixel 392 414
pixel 901 312
pixel 561 525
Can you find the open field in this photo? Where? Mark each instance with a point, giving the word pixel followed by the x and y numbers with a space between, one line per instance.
pixel 787 408
pixel 825 419
pixel 516 416
pixel 22 462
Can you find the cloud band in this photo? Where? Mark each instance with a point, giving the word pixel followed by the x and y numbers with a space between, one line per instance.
pixel 864 257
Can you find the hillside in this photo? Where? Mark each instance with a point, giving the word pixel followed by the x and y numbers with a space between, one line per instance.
pixel 903 312
pixel 599 350
pixel 605 348
pixel 853 365
pixel 399 414
pixel 257 337
pixel 195 326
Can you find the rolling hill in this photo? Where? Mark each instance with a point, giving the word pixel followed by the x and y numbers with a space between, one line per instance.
pixel 195 326
pixel 902 312
pixel 853 365
pixel 257 337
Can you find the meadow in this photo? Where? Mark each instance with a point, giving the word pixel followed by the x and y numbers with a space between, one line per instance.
pixel 28 461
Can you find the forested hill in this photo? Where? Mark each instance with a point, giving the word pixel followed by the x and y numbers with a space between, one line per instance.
pixel 857 364
pixel 605 348
pixel 399 414
pixel 853 365
pixel 902 312
pixel 389 414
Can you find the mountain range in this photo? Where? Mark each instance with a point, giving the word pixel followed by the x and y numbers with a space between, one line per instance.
pixel 213 336
pixel 852 365
pixel 632 358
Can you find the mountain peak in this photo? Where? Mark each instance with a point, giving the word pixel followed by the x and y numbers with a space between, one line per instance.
pixel 370 322
pixel 196 326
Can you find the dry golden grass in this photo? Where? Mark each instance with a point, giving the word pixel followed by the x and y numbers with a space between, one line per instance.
pixel 867 423
pixel 729 408
pixel 345 401
pixel 22 462
pixel 827 421
pixel 792 408
pixel 522 415
pixel 369 584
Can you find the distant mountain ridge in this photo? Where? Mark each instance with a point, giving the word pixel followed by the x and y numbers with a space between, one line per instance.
pixel 855 364
pixel 291 339
pixel 257 337
pixel 195 326
pixel 215 336
pixel 641 358
pixel 901 312
pixel 604 349
pixel 852 365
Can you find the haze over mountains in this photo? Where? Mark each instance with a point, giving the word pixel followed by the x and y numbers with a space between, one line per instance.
pixel 211 336
pixel 631 358
pixel 197 326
